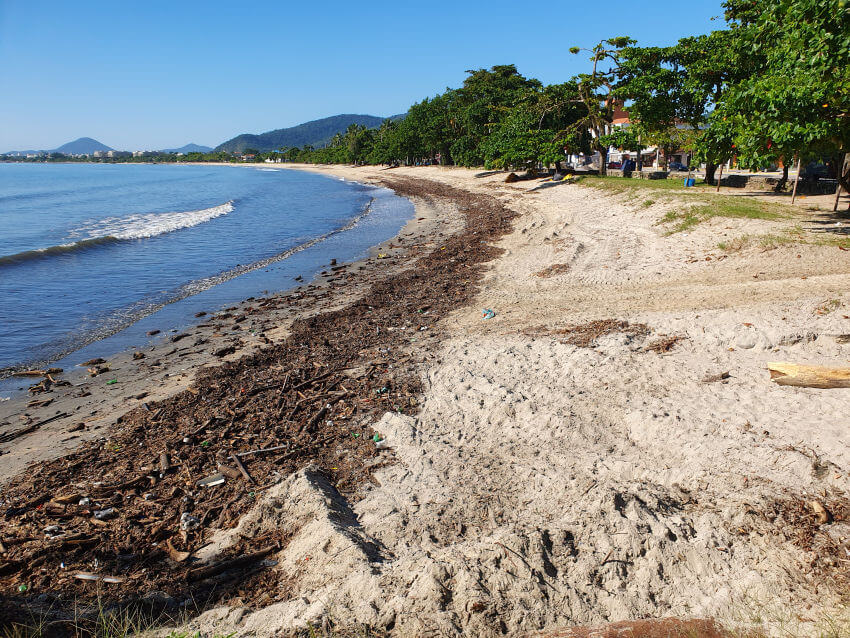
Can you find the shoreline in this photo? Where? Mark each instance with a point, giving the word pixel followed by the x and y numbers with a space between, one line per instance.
pixel 607 447
pixel 95 336
pixel 171 359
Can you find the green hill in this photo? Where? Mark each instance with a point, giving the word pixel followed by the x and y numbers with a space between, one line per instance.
pixel 315 133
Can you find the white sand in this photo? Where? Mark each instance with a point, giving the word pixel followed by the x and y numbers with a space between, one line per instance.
pixel 545 485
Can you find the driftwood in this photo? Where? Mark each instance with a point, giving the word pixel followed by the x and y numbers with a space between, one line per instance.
pixel 229 472
pixel 264 450
pixel 314 420
pixel 200 573
pixel 242 468
pixel 809 376
pixel 11 436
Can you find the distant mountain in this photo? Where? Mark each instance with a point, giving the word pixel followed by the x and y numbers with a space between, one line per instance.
pixel 316 133
pixel 84 145
pixel 189 148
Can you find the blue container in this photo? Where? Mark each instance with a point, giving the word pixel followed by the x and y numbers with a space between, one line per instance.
pixel 690 181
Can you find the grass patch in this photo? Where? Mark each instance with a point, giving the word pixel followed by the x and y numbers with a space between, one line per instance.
pixel 681 221
pixel 735 244
pixel 794 236
pixel 119 622
pixel 840 241
pixel 630 185
pixel 787 238
pixel 769 241
pixel 720 206
pixel 699 203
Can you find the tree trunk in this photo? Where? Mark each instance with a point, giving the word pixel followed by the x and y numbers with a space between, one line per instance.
pixel 844 177
pixel 782 182
pixel 603 163
pixel 710 170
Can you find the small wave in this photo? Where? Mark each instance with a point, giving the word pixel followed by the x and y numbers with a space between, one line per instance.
pixel 116 229
pixel 39 253
pixel 194 287
pixel 120 319
pixel 269 170
pixel 145 225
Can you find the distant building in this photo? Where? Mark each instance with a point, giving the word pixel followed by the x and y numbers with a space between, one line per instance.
pixel 249 158
pixel 650 156
pixel 138 153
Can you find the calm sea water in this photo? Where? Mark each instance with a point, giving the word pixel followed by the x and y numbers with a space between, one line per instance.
pixel 95 251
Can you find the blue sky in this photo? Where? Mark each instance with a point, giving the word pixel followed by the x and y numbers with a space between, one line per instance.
pixel 147 75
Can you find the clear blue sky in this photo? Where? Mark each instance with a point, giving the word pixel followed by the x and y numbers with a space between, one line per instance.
pixel 154 74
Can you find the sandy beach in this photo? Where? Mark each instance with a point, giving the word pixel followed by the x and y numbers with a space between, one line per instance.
pixel 604 445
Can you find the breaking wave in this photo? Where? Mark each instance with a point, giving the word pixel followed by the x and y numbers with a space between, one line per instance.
pixel 117 320
pixel 113 230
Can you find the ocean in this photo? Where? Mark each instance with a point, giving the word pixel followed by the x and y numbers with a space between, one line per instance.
pixel 94 255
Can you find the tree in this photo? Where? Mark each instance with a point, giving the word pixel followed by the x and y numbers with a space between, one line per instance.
pixel 595 91
pixel 798 97
pixel 680 85
pixel 485 100
pixel 538 129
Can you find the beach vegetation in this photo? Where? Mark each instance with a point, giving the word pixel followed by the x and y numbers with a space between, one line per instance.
pixel 692 214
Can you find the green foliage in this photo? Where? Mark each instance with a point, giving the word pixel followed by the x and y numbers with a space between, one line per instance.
pixel 498 117
pixel 694 206
pixel 773 85
pixel 797 98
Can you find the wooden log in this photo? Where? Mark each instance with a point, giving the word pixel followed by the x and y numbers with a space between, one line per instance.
pixel 229 472
pixel 804 376
pixel 310 382
pixel 264 450
pixel 314 420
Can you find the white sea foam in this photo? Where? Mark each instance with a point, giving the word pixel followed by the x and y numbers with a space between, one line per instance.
pixel 144 225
